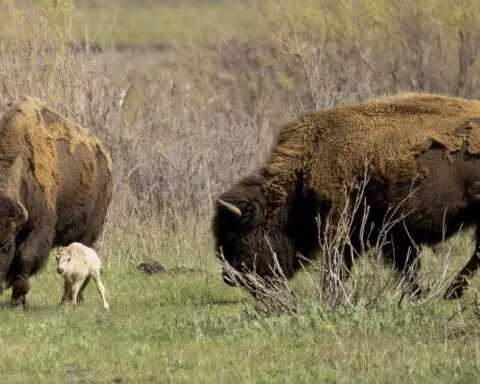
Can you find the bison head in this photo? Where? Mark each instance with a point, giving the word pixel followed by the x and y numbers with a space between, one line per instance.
pixel 12 216
pixel 248 232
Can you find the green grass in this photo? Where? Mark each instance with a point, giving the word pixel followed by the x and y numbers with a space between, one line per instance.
pixel 187 326
pixel 157 24
pixel 160 23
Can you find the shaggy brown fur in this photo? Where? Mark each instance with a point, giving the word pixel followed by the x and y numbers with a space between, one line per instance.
pixel 62 174
pixel 426 141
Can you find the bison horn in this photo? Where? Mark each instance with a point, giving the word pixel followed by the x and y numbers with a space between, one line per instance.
pixel 231 207
pixel 24 213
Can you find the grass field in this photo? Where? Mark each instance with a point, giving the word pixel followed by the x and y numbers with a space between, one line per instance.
pixel 185 122
pixel 163 23
pixel 188 326
pixel 113 23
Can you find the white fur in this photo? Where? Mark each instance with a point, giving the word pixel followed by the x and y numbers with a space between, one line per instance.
pixel 78 263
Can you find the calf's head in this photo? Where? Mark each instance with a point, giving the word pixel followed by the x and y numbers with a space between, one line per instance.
pixel 64 259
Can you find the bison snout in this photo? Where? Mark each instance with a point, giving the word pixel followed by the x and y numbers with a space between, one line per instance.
pixel 60 270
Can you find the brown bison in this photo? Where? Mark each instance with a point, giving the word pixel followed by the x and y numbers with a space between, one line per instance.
pixel 421 149
pixel 56 183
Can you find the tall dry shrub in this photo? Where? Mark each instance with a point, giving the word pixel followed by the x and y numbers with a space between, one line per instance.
pixel 353 49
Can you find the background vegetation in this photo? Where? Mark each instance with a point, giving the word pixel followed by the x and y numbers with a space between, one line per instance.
pixel 188 97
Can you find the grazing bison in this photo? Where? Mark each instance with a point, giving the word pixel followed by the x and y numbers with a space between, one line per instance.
pixel 421 149
pixel 55 187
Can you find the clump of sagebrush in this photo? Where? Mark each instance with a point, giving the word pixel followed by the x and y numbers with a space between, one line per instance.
pixel 274 293
pixel 369 284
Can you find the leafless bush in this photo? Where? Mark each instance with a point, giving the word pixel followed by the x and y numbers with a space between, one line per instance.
pixel 369 285
pixel 274 293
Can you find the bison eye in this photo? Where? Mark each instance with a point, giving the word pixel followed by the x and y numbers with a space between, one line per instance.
pixel 68 259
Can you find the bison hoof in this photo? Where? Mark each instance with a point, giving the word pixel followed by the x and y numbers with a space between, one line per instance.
pixel 454 292
pixel 20 304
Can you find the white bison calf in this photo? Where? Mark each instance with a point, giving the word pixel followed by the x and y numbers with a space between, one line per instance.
pixel 78 263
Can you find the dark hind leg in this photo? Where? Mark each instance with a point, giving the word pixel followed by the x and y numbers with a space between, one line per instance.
pixel 404 256
pixel 461 281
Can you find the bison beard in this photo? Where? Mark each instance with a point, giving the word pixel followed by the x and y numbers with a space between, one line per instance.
pixel 56 183
pixel 421 150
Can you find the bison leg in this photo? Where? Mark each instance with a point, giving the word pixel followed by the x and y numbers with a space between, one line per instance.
pixel 455 290
pixel 350 254
pixel 5 262
pixel 341 268
pixel 338 269
pixel 406 262
pixel 20 288
pixel 33 252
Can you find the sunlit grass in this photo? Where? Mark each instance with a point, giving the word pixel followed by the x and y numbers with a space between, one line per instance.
pixel 188 325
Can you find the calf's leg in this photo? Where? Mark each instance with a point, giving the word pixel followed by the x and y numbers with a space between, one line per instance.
pixel 80 293
pixel 77 285
pixel 101 289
